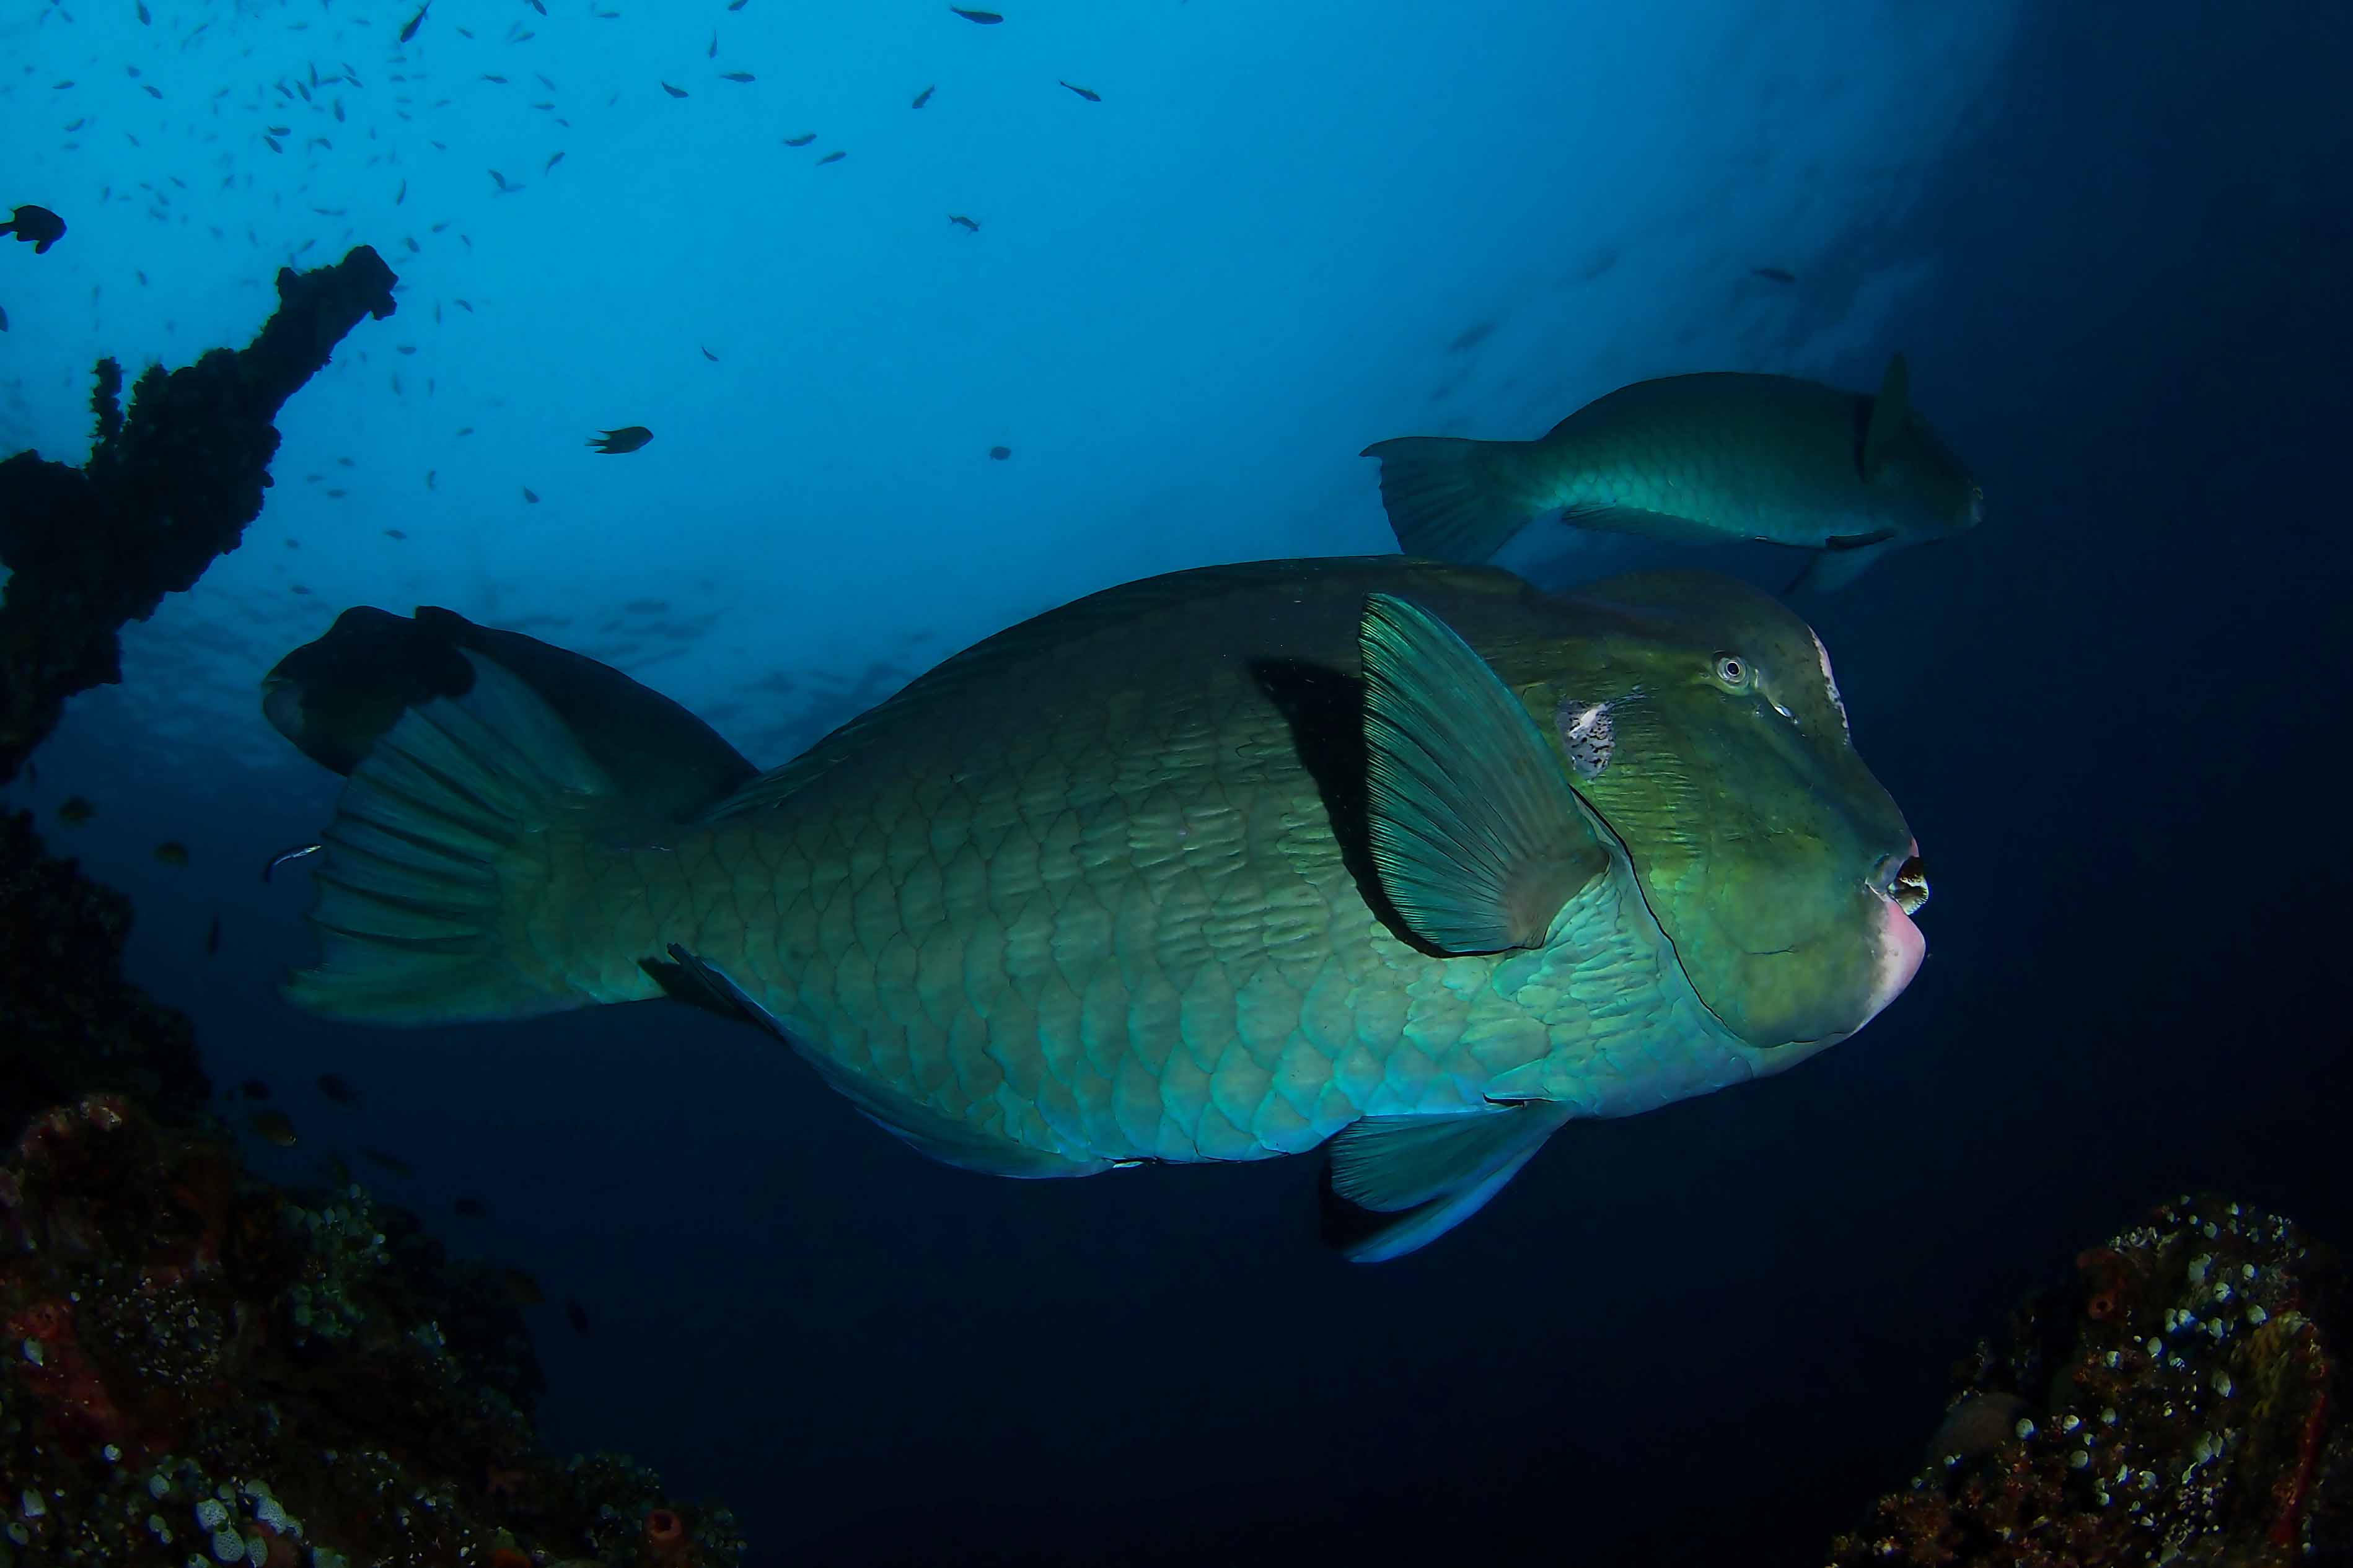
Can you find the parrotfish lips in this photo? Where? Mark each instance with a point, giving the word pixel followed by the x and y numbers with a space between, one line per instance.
pixel 1902 947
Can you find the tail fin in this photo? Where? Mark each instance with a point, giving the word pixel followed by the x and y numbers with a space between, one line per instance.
pixel 440 842
pixel 1443 499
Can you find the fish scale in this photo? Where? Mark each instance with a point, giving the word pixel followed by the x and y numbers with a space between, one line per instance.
pixel 1125 932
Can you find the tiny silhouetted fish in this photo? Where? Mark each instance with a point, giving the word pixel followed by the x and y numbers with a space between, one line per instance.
pixel 394 534
pixel 734 4
pixel 415 22
pixel 275 1126
pixel 968 223
pixel 1773 274
pixel 1000 453
pixel 393 1162
pixel 499 79
pixel 627 438
pixel 36 226
pixel 501 181
pixel 172 852
pixel 986 18
pixel 553 161
pixel 674 91
pixel 143 18
pixel 923 98
pixel 401 194
pixel 577 1315
pixel 73 811
pixel 801 141
pixel 713 52
pixel 1088 93
pixel 283 856
pixel 735 75
pixel 708 354
pixel 334 1087
pixel 4 320
pixel 469 1208
pixel 833 157
pixel 212 937
pixel 150 89
pixel 254 1088
pixel 529 496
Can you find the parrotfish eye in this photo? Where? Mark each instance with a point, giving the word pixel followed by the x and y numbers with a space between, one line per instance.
pixel 1732 671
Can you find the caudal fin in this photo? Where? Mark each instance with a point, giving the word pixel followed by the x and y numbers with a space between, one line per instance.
pixel 440 845
pixel 1443 498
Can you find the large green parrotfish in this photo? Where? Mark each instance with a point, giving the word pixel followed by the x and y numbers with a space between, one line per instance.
pixel 1702 458
pixel 1405 859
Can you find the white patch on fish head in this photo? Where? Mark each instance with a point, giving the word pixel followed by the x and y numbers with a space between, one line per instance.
pixel 1586 730
pixel 1830 681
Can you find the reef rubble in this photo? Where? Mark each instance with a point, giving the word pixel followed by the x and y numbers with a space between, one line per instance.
pixel 2179 1400
pixel 197 1366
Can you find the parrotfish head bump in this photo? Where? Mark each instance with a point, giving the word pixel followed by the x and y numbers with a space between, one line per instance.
pixel 1704 728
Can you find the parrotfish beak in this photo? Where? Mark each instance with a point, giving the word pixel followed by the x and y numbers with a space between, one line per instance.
pixel 1901 887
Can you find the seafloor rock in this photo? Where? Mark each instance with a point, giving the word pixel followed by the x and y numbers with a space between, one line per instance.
pixel 199 1363
pixel 2180 1401
pixel 197 1366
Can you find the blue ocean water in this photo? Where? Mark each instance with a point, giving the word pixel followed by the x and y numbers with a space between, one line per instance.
pixel 2112 241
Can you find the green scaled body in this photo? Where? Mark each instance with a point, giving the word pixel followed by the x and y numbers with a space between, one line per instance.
pixel 1700 458
pixel 1163 875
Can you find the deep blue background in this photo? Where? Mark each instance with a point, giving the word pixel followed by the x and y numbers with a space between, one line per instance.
pixel 2115 717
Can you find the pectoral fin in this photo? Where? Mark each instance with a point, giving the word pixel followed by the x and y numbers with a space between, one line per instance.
pixel 1398 1183
pixel 1840 561
pixel 1889 411
pixel 1476 834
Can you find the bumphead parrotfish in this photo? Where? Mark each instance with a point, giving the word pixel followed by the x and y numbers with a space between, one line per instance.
pixel 1702 458
pixel 1405 859
pixel 334 698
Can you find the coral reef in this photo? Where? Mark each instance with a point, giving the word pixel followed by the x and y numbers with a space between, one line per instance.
pixel 197 1366
pixel 201 1364
pixel 2180 1401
